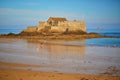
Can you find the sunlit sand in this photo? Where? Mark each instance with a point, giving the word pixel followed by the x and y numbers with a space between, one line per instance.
pixel 52 58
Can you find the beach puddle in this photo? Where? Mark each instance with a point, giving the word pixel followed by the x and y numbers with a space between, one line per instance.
pixel 57 56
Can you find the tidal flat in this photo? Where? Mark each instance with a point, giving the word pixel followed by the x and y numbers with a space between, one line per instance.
pixel 76 58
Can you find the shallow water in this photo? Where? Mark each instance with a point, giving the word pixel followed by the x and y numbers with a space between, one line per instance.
pixel 103 42
pixel 60 57
pixel 7 31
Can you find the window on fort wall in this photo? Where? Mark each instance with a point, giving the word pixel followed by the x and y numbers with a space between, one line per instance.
pixel 55 23
pixel 50 23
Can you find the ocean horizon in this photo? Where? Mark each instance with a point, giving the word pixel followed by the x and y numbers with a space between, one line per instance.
pixel 107 29
pixel 106 42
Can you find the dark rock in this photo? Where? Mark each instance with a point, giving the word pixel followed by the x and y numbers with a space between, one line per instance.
pixel 11 34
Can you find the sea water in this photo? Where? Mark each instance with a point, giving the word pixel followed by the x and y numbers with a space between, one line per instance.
pixel 7 31
pixel 103 42
pixel 110 42
pixel 104 29
pixel 106 32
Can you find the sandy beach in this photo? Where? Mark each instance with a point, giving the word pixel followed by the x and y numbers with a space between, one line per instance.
pixel 17 74
pixel 26 59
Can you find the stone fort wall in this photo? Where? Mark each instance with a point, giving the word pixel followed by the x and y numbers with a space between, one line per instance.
pixel 63 26
pixel 58 25
pixel 31 29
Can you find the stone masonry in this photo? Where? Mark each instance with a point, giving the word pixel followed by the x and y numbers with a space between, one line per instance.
pixel 58 25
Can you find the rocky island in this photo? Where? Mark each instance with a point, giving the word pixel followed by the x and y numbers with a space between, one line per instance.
pixel 56 28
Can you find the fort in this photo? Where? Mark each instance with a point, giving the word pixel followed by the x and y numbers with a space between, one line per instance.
pixel 56 28
pixel 58 25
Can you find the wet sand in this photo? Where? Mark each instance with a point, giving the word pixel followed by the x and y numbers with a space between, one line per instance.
pixel 38 60
pixel 17 74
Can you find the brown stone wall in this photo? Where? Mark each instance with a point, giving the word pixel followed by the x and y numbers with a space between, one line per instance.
pixel 31 29
pixel 77 25
pixel 63 26
pixel 59 29
pixel 71 26
pixel 42 25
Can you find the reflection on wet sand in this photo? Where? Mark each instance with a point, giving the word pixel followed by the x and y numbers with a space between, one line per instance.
pixel 55 56
pixel 56 48
pixel 57 53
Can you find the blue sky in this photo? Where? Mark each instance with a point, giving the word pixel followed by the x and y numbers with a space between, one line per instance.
pixel 29 12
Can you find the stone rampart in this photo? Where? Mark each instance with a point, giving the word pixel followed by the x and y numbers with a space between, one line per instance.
pixel 31 29
pixel 59 26
pixel 63 26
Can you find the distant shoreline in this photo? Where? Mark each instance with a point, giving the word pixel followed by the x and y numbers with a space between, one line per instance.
pixel 55 36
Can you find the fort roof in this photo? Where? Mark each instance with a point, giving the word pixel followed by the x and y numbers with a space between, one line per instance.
pixel 57 19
